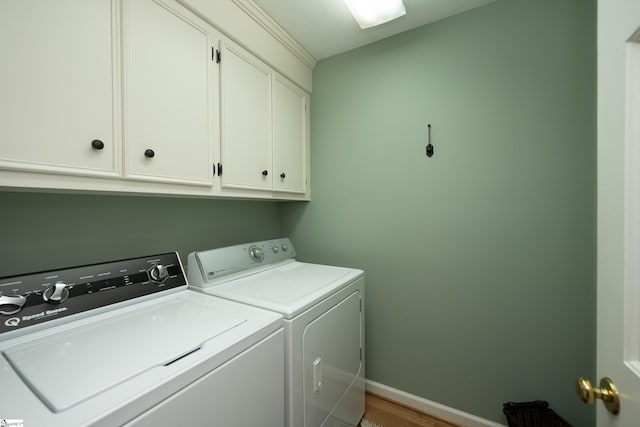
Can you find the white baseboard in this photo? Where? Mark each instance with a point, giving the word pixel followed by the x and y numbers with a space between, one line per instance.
pixel 432 408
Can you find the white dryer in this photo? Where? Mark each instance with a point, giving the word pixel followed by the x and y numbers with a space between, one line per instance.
pixel 323 310
pixel 127 343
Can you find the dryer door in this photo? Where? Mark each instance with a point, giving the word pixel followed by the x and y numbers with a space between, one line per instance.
pixel 332 359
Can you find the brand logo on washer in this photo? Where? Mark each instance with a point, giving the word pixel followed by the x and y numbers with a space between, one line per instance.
pixel 12 321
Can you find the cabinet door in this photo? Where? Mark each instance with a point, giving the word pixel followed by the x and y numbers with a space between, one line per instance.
pixel 58 79
pixel 246 120
pixel 289 137
pixel 169 87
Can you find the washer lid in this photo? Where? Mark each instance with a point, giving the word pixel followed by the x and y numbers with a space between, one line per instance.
pixel 289 289
pixel 68 367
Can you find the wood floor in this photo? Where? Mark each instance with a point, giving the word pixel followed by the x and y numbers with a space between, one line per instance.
pixel 390 414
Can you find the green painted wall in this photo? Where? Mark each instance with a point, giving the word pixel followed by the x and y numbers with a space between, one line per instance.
pixel 480 260
pixel 46 231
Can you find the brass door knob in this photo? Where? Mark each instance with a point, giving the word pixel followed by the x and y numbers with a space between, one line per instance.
pixel 607 392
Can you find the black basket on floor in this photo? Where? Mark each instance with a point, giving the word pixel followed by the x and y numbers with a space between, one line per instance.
pixel 532 414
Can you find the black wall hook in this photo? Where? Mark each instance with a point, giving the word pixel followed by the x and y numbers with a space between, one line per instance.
pixel 429 146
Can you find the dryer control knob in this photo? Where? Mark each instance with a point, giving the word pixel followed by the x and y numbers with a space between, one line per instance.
pixel 57 293
pixel 285 248
pixel 256 253
pixel 275 249
pixel 158 273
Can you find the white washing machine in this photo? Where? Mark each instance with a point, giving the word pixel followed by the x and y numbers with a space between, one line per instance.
pixel 323 310
pixel 126 343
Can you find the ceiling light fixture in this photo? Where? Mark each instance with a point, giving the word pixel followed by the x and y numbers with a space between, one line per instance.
pixel 370 13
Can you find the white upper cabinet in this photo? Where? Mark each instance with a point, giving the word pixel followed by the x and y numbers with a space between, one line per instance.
pixel 246 120
pixel 290 133
pixel 60 87
pixel 170 88
pixel 264 127
pixel 146 96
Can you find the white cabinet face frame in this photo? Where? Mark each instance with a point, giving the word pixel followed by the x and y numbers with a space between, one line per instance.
pixel 170 85
pixel 60 87
pixel 290 136
pixel 246 130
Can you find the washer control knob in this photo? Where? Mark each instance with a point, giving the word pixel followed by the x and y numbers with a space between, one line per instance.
pixel 275 249
pixel 256 253
pixel 158 273
pixel 57 293
pixel 11 304
pixel 285 248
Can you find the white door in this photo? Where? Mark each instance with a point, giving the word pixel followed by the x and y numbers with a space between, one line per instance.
pixel 59 85
pixel 170 78
pixel 332 359
pixel 289 137
pixel 246 120
pixel 618 279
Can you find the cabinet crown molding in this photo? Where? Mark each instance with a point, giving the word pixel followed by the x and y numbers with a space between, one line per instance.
pixel 266 22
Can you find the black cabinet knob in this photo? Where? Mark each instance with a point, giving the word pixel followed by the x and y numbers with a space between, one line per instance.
pixel 265 172
pixel 149 153
pixel 282 175
pixel 96 144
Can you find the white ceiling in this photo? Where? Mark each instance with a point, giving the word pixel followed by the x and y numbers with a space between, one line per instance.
pixel 326 27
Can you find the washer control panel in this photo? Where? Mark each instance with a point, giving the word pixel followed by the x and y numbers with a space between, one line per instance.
pixel 39 297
